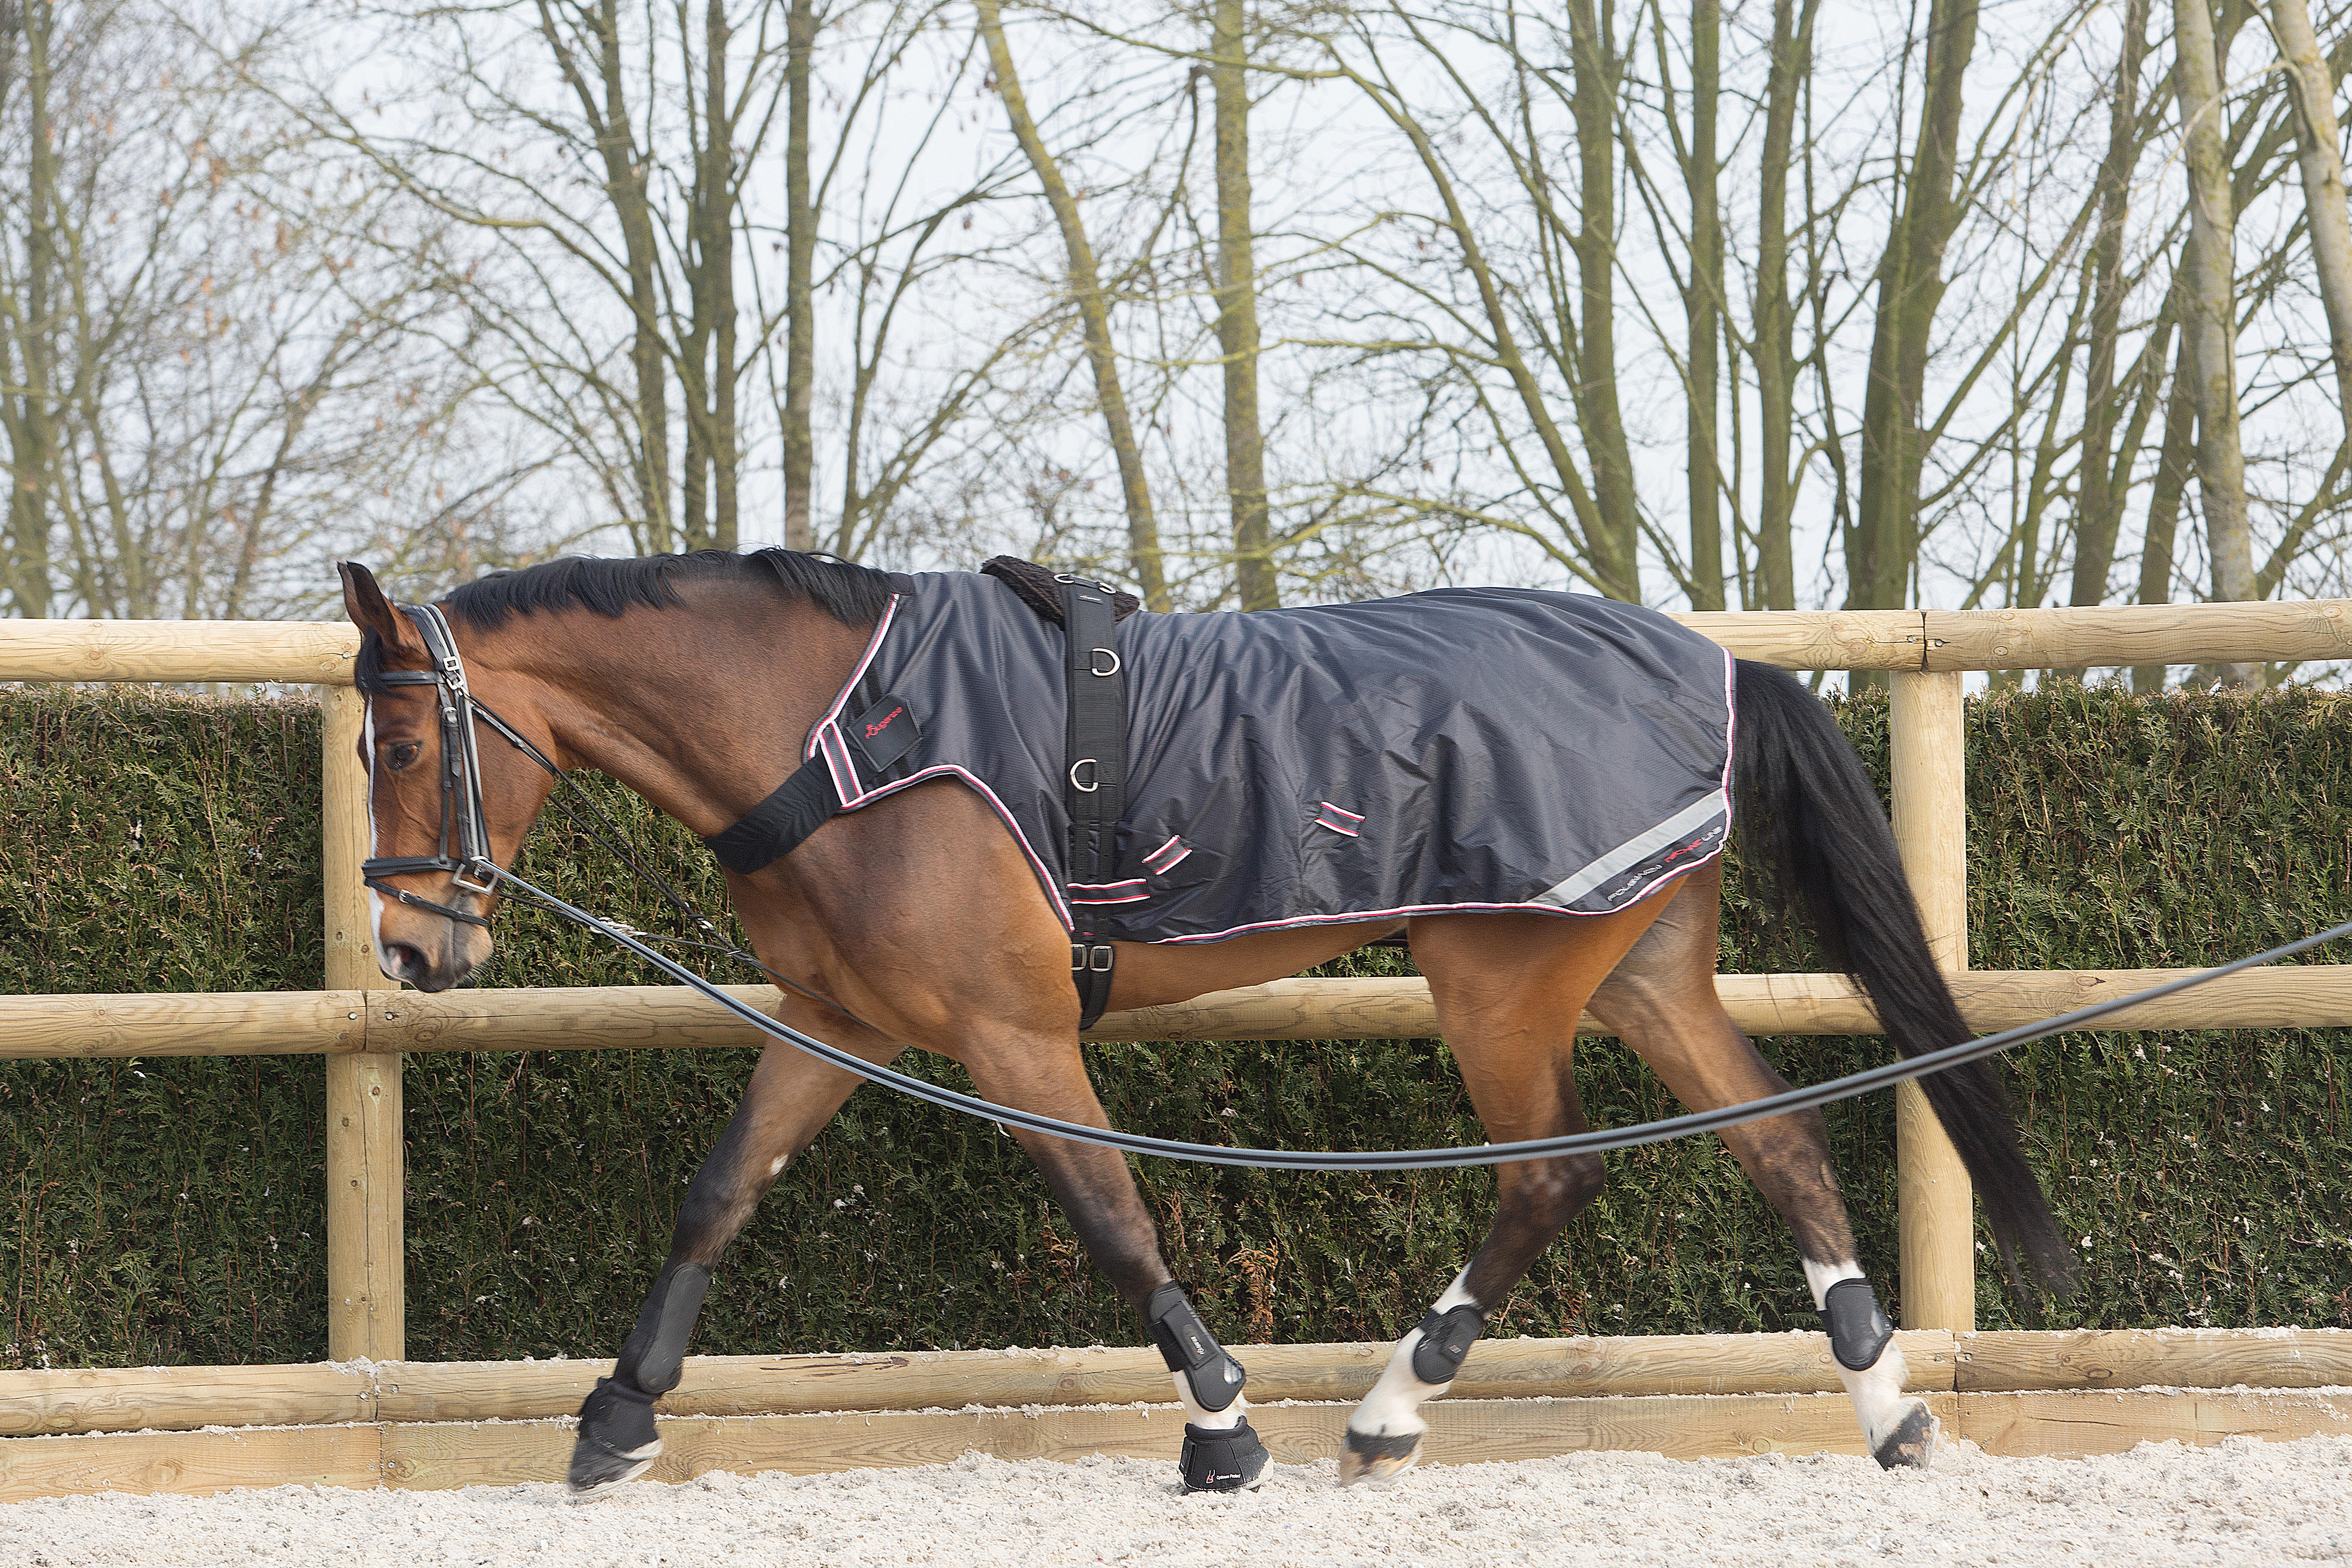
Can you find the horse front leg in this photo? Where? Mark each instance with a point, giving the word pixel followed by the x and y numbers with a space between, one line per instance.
pixel 790 1098
pixel 1095 1188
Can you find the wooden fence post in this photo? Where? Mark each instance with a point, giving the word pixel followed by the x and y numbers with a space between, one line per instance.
pixel 366 1305
pixel 1938 1211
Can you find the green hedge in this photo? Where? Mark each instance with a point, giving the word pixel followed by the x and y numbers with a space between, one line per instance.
pixel 168 1211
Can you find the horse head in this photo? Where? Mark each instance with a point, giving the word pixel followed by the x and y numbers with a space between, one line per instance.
pixel 449 799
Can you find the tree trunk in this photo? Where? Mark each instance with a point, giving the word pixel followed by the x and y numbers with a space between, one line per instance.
pixel 800 270
pixel 1702 307
pixel 718 266
pixel 2312 85
pixel 1094 315
pixel 2209 313
pixel 2100 516
pixel 694 379
pixel 1884 543
pixel 1774 348
pixel 1599 67
pixel 625 185
pixel 1238 340
pixel 2164 504
pixel 33 458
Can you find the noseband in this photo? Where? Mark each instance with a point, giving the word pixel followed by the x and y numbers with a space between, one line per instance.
pixel 465 847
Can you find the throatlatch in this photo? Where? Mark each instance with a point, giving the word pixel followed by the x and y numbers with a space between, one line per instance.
pixel 1858 1329
pixel 1445 1338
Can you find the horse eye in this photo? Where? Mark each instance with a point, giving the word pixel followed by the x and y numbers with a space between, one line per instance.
pixel 403 753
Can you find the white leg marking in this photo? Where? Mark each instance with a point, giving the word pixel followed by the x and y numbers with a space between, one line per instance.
pixel 1879 1402
pixel 1224 1420
pixel 1393 1408
pixel 776 1166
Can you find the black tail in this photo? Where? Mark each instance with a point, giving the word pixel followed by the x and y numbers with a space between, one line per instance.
pixel 1808 813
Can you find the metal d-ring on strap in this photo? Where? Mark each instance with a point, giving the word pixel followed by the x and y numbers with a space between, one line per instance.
pixel 1596 1142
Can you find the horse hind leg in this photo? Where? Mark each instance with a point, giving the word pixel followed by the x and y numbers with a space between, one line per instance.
pixel 1662 1003
pixel 1509 989
pixel 790 1098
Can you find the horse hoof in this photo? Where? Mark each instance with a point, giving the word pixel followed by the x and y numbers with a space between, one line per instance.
pixel 1222 1460
pixel 1368 1457
pixel 1912 1444
pixel 617 1440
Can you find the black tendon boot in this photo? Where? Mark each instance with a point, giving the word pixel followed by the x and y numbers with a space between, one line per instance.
pixel 617 1440
pixel 1215 1459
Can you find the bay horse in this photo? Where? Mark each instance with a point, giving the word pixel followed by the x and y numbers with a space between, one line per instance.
pixel 921 923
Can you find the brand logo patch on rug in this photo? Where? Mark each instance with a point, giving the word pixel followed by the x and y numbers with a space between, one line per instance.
pixel 885 733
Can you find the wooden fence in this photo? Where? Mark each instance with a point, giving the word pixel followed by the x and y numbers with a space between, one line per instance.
pixel 363 1027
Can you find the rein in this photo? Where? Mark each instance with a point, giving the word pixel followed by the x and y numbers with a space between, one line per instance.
pixel 462 820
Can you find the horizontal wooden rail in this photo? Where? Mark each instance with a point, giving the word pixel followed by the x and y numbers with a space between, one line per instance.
pixel 630 1017
pixel 2138 634
pixel 46 1402
pixel 133 1399
pixel 321 652
pixel 432 1456
pixel 299 652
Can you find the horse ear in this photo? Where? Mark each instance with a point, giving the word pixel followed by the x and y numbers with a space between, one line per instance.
pixel 369 609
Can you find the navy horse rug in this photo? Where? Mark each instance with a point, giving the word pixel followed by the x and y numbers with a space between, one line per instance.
pixel 1464 748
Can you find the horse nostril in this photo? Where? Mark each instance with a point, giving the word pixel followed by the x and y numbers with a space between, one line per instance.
pixel 404 962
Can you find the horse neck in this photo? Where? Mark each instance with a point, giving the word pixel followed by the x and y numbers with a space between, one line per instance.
pixel 700 709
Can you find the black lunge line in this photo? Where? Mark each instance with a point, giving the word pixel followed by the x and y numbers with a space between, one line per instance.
pixel 464 852
pixel 1602 1142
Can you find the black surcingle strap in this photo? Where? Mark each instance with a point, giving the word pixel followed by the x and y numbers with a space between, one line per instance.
pixel 1096 784
pixel 775 827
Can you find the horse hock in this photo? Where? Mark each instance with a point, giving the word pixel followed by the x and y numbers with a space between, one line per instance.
pixel 1217 1457
pixel 617 1440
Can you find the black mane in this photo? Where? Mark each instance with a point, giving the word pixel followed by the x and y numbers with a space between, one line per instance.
pixel 854 595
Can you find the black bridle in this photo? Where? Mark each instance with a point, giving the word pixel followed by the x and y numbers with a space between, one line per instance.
pixel 465 847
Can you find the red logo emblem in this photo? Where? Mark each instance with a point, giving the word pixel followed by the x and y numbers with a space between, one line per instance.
pixel 884 722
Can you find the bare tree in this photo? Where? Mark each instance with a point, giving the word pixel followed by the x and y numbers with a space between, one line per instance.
pixel 1094 311
pixel 2209 309
pixel 1237 329
pixel 1883 543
